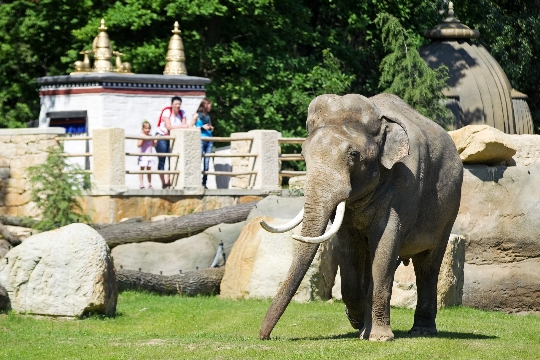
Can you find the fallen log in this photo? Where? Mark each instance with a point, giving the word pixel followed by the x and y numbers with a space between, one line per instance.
pixel 6 234
pixel 4 299
pixel 172 229
pixel 16 221
pixel 190 283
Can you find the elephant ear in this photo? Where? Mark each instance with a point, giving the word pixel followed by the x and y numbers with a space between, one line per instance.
pixel 396 142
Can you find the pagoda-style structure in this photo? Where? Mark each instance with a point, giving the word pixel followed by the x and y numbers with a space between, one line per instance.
pixel 479 91
pixel 105 95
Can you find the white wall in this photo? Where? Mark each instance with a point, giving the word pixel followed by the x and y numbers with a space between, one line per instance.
pixel 125 111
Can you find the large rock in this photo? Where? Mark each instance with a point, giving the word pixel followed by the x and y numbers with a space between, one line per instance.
pixel 260 260
pixel 500 218
pixel 187 254
pixel 527 150
pixel 482 144
pixel 449 287
pixel 278 207
pixel 65 272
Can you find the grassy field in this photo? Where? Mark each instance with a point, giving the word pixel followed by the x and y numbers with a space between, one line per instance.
pixel 153 327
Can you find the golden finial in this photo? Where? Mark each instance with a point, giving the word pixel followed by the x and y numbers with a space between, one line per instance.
pixel 175 54
pixel 102 50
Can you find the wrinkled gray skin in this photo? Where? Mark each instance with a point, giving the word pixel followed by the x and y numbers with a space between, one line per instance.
pixel 401 176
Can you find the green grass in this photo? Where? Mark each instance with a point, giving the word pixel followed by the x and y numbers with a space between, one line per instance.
pixel 171 327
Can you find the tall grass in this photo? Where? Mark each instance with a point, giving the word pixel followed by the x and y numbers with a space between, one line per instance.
pixel 153 327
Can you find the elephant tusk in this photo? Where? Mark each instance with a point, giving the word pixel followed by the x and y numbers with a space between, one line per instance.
pixel 286 227
pixel 336 224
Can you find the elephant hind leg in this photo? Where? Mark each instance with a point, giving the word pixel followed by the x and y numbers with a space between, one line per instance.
pixel 427 265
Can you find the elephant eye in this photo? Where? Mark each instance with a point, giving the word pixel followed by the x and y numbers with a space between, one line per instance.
pixel 351 155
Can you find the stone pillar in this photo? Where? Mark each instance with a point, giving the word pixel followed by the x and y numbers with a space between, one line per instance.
pixel 266 145
pixel 188 146
pixel 109 159
pixel 241 164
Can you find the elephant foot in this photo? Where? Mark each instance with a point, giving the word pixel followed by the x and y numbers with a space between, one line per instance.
pixel 356 324
pixel 423 331
pixel 377 333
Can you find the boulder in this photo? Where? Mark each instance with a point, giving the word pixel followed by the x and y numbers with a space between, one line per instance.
pixel 527 150
pixel 278 207
pixel 450 285
pixel 482 144
pixel 187 254
pixel 499 216
pixel 260 260
pixel 297 183
pixel 66 272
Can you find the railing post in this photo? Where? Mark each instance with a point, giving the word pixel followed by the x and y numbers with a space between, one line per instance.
pixel 188 146
pixel 266 145
pixel 109 159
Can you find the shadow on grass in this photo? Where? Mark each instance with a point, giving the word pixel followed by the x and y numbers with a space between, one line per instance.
pixel 447 335
pixel 404 334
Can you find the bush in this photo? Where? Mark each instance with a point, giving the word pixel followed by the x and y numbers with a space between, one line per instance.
pixel 56 185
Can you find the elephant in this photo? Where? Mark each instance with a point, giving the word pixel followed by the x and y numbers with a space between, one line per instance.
pixel 392 180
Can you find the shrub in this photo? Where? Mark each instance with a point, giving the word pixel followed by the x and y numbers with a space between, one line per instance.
pixel 56 185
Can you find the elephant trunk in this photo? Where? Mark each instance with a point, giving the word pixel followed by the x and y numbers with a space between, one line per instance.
pixel 316 216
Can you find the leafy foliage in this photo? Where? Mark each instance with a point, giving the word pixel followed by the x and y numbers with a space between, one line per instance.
pixel 405 73
pixel 263 56
pixel 55 188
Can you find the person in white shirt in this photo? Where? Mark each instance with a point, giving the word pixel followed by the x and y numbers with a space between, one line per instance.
pixel 171 118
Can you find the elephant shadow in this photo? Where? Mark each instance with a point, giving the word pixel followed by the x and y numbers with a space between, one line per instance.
pixel 401 334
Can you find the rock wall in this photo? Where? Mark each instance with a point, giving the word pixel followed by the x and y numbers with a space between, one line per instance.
pixel 499 216
pixel 21 148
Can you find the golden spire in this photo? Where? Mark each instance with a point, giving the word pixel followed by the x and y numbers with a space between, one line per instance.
pixel 102 50
pixel 175 54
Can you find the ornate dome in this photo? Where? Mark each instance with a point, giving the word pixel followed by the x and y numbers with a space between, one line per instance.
pixel 479 91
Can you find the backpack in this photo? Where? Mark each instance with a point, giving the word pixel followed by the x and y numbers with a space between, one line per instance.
pixel 182 114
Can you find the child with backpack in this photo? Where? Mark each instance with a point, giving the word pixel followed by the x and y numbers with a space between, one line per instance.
pixel 171 118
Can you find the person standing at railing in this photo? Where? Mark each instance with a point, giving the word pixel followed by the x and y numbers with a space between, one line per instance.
pixel 172 117
pixel 144 161
pixel 201 119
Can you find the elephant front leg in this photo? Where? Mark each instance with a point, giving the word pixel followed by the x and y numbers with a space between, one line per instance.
pixel 355 271
pixel 384 252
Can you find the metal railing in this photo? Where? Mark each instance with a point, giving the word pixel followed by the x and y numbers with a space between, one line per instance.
pixel 168 154
pixel 216 155
pixel 248 169
pixel 86 155
pixel 291 157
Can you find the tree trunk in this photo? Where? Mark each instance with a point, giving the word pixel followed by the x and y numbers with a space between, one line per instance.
pixel 172 229
pixel 6 234
pixel 15 221
pixel 191 283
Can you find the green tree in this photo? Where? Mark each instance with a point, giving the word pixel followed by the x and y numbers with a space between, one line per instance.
pixel 405 73
pixel 56 187
pixel 258 53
